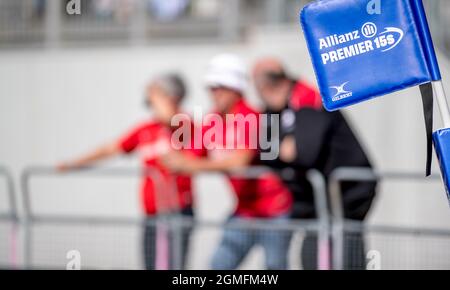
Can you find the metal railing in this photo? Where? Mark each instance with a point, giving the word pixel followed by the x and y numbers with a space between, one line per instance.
pixel 12 213
pixel 10 216
pixel 330 230
pixel 174 221
pixel 31 218
pixel 340 225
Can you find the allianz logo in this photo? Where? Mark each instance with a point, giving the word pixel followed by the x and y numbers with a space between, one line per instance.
pixel 341 92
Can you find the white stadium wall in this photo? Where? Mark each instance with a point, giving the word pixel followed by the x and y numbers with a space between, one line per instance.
pixel 55 104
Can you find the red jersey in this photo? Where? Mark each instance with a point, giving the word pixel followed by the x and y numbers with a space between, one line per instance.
pixel 304 96
pixel 152 140
pixel 266 196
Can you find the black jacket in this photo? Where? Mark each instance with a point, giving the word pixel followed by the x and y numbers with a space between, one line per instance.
pixel 324 142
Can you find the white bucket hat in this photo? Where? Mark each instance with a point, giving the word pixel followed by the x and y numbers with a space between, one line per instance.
pixel 227 70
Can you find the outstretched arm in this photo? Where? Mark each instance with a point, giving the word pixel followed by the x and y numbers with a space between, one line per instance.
pixel 101 153
pixel 191 164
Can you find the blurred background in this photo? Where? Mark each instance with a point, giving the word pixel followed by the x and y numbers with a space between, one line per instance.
pixel 71 82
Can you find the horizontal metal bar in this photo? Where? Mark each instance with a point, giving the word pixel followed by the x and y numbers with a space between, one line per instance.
pixel 84 172
pixel 253 172
pixel 352 226
pixel 7 217
pixel 12 214
pixel 253 224
pixel 366 174
pixel 341 174
pixel 87 220
pixel 250 173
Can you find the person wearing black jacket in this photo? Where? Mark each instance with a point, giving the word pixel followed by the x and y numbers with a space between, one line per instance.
pixel 311 138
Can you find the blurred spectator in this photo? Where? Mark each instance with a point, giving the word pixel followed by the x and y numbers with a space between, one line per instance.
pixel 104 8
pixel 311 138
pixel 39 8
pixel 16 12
pixel 206 8
pixel 120 10
pixel 124 10
pixel 266 197
pixel 167 10
pixel 152 139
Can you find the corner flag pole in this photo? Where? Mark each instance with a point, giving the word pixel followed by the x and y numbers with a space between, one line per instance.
pixel 439 92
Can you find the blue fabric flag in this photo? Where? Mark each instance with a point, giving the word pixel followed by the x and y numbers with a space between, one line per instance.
pixel 359 53
pixel 358 56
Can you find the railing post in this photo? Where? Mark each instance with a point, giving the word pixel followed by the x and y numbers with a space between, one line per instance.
pixel 177 242
pixel 321 206
pixel 12 216
pixel 27 220
pixel 337 233
pixel 15 220
pixel 177 225
pixel 11 193
pixel 337 207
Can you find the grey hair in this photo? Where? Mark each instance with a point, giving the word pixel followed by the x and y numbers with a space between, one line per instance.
pixel 173 85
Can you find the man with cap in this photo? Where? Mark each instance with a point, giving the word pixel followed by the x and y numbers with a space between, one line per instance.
pixel 311 138
pixel 152 139
pixel 265 197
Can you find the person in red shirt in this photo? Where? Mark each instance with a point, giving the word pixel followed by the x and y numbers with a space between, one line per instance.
pixel 152 139
pixel 230 145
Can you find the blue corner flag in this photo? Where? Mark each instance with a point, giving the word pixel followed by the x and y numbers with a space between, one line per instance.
pixel 359 54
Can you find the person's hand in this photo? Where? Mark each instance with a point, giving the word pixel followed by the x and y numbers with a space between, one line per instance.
pixel 66 166
pixel 176 162
pixel 288 149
